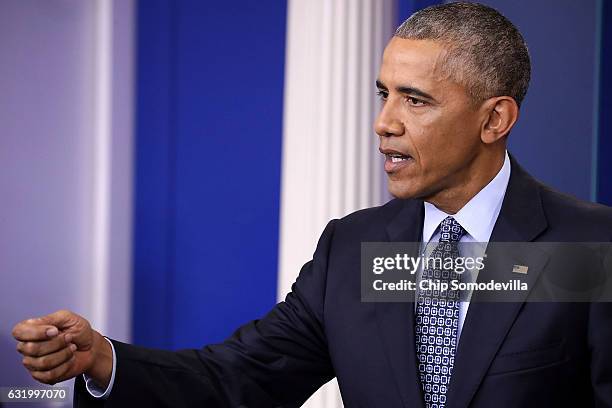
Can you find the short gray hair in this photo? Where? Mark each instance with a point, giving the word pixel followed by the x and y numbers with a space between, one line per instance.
pixel 485 52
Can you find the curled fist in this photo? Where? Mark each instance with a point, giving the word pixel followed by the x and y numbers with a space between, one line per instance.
pixel 62 345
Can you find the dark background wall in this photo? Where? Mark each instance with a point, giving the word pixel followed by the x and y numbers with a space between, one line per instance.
pixel 604 111
pixel 557 137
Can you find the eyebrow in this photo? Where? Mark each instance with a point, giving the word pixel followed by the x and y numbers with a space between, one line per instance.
pixel 408 90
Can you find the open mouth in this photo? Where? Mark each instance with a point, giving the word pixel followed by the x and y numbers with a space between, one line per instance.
pixel 395 160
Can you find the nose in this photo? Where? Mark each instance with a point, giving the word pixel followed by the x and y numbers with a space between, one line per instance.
pixel 387 123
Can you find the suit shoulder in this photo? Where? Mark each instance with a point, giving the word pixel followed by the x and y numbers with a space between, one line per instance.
pixel 567 209
pixel 379 213
pixel 370 224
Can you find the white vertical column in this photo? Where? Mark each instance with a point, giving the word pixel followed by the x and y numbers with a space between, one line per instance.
pixel 112 167
pixel 331 165
pixel 119 284
pixel 102 138
pixel 65 165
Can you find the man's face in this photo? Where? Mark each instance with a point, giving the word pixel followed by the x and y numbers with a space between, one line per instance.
pixel 429 129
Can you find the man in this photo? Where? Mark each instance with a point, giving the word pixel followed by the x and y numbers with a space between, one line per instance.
pixel 452 80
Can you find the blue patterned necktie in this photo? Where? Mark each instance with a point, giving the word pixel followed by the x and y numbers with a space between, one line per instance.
pixel 437 317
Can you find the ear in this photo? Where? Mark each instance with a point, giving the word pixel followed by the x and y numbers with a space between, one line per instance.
pixel 500 115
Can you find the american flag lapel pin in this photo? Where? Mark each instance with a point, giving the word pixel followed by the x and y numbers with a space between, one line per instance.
pixel 522 269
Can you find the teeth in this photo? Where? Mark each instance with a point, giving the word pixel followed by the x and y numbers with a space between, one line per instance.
pixel 396 158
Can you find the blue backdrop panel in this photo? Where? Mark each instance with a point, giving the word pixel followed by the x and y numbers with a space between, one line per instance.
pixel 209 115
pixel 154 176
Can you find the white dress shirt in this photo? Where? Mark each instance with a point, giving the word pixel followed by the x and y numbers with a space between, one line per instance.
pixel 477 217
pixel 93 388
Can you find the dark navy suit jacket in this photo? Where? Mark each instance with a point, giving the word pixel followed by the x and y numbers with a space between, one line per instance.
pixel 519 354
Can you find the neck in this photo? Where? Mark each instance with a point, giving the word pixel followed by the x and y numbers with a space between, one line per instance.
pixel 468 183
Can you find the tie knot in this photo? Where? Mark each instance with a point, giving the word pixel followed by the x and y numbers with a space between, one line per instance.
pixel 451 230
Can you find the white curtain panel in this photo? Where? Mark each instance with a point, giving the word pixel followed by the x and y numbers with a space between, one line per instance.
pixel 331 164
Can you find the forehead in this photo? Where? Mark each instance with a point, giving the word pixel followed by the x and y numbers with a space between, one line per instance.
pixel 414 62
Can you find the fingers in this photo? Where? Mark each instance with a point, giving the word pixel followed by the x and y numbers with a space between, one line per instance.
pixel 50 361
pixel 34 330
pixel 49 345
pixel 57 374
pixel 41 348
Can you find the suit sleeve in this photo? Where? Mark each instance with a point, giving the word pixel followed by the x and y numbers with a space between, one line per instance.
pixel 277 361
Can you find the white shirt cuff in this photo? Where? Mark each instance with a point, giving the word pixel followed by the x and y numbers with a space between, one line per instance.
pixel 93 389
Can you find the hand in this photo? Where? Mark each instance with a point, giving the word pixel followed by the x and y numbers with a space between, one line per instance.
pixel 62 345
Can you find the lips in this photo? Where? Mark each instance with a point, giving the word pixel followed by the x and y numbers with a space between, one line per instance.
pixel 395 159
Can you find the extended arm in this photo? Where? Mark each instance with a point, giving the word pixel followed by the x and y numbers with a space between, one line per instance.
pixel 279 360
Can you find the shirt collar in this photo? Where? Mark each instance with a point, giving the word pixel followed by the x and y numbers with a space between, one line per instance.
pixel 477 216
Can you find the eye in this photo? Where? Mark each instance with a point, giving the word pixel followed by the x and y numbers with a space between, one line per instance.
pixel 382 94
pixel 412 101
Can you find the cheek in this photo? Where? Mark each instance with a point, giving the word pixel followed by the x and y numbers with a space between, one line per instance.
pixel 430 138
pixel 440 144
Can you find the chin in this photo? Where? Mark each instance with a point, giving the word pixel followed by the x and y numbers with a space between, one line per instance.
pixel 403 190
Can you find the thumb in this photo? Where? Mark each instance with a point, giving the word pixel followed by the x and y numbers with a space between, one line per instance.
pixel 49 326
pixel 62 319
pixel 75 329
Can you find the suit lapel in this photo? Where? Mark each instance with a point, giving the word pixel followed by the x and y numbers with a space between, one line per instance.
pixel 396 319
pixel 521 219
